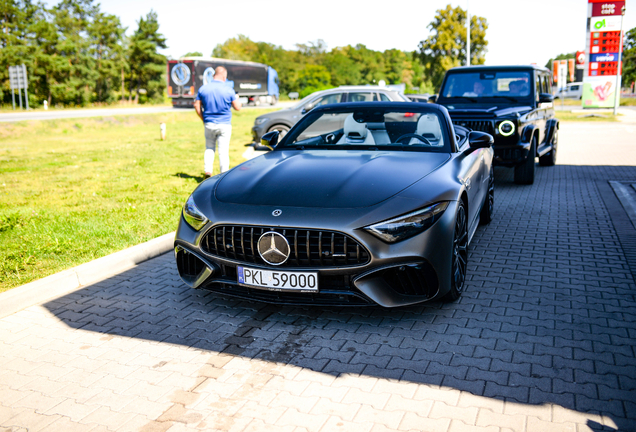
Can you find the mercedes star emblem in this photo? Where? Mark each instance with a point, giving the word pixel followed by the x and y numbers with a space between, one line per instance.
pixel 277 212
pixel 273 248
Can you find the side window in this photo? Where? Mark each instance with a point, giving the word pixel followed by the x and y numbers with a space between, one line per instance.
pixel 361 97
pixel 546 86
pixel 329 99
pixel 384 98
pixel 537 84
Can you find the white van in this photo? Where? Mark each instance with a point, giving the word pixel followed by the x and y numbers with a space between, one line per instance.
pixel 573 90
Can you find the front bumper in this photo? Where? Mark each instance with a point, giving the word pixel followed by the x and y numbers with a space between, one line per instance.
pixel 412 271
pixel 258 131
pixel 510 155
pixel 509 151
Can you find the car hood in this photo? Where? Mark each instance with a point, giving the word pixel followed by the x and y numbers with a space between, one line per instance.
pixel 327 179
pixel 486 111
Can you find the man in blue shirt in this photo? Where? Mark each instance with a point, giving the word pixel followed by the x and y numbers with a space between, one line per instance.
pixel 213 105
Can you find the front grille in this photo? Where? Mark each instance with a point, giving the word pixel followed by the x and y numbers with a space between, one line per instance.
pixel 308 248
pixel 477 125
pixel 334 290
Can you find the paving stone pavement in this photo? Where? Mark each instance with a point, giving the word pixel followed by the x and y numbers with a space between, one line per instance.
pixel 542 339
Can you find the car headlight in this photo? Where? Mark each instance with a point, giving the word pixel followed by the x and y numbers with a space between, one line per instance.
pixel 193 215
pixel 406 226
pixel 506 128
pixel 260 120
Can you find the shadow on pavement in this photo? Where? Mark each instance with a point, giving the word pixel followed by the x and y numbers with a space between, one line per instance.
pixel 548 316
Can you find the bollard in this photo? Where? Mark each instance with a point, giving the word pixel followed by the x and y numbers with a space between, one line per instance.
pixel 162 128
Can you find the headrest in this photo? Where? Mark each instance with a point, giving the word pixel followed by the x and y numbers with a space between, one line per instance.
pixel 429 124
pixel 354 129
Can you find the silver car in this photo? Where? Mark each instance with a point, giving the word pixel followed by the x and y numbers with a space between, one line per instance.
pixel 283 120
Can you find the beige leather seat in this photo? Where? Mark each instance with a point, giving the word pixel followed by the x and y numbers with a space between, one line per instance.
pixel 355 133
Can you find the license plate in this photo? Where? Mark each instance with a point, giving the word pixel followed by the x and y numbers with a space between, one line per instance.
pixel 275 280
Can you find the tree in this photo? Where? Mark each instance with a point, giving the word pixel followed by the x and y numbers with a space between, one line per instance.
pixel 313 78
pixel 75 79
pixel 147 66
pixel 193 54
pixel 446 46
pixel 567 56
pixel 629 58
pixel 106 33
pixel 25 38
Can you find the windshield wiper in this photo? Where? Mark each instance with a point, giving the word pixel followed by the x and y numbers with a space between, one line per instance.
pixel 514 99
pixel 472 99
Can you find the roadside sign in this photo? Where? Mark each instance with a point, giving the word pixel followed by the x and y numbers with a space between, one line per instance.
pixel 607 8
pixel 18 81
pixel 603 48
pixel 606 23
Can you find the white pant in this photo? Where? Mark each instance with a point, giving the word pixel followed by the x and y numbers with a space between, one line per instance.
pixel 217 136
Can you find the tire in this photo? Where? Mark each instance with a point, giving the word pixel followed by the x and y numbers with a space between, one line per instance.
pixel 274 100
pixel 459 257
pixel 282 129
pixel 549 159
pixel 524 173
pixel 488 208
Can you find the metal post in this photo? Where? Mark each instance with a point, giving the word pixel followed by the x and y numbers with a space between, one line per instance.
pixel 13 98
pixel 26 85
pixel 467 38
pixel 20 97
pixel 617 96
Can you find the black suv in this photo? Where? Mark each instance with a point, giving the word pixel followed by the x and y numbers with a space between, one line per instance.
pixel 514 105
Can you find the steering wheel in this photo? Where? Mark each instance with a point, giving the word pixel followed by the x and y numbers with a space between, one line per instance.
pixel 413 135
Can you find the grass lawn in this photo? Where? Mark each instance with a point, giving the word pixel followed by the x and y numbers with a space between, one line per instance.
pixel 586 116
pixel 79 189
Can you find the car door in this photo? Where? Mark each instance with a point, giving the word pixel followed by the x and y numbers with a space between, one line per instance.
pixel 471 176
pixel 548 108
pixel 540 121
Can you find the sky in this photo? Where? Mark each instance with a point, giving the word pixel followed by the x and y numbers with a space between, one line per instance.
pixel 518 32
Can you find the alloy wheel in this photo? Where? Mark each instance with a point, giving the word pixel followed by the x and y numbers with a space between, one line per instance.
pixel 460 249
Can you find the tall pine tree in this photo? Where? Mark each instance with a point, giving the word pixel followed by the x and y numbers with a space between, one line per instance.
pixel 147 66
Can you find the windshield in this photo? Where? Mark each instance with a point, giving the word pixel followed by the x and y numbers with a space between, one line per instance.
pixel 304 100
pixel 474 86
pixel 370 128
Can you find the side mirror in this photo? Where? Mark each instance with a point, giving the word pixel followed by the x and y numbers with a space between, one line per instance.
pixel 477 140
pixel 432 99
pixel 545 98
pixel 270 139
pixel 308 108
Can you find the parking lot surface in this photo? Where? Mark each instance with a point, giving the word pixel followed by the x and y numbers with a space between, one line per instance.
pixel 542 339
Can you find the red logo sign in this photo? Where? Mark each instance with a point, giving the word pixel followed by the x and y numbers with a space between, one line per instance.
pixel 580 57
pixel 607 8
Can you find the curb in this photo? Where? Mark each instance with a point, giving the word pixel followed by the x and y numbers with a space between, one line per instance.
pixel 70 280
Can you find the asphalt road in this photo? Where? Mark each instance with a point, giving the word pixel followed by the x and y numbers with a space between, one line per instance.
pixel 99 112
pixel 541 340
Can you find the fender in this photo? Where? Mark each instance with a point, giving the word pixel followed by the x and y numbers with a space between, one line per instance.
pixel 526 135
pixel 281 123
pixel 551 126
